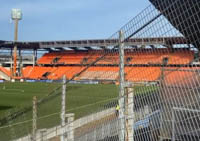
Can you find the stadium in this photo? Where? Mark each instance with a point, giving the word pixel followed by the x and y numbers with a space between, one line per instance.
pixel 69 90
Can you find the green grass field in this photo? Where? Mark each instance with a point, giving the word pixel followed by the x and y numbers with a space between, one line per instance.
pixel 80 99
pixel 19 95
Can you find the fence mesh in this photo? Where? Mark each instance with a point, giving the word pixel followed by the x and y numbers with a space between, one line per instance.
pixel 161 100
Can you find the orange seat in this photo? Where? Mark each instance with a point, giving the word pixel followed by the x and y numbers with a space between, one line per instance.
pixel 134 56
pixel 6 71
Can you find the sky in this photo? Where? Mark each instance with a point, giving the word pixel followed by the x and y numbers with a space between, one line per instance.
pixel 45 20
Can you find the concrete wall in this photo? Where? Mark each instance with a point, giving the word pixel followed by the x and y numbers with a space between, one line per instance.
pixel 70 128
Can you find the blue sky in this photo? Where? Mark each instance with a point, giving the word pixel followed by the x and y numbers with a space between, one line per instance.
pixel 67 19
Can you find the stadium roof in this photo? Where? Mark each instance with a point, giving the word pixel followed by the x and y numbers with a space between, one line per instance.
pixel 92 43
pixel 183 15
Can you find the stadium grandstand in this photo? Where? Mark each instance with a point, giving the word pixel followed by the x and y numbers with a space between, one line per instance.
pixel 152 63
pixel 54 64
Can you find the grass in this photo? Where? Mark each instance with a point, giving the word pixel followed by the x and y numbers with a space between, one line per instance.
pixel 18 95
pixel 14 96
pixel 80 99
pixel 145 90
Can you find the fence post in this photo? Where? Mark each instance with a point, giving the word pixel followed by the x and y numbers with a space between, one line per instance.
pixel 70 126
pixel 43 134
pixel 121 88
pixel 62 137
pixel 34 118
pixel 173 124
pixel 129 114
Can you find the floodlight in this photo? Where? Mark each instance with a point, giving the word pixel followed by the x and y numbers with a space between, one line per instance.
pixel 16 14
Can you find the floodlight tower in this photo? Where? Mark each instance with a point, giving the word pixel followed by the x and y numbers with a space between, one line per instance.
pixel 16 16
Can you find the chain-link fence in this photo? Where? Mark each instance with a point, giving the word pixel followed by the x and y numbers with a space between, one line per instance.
pixel 145 92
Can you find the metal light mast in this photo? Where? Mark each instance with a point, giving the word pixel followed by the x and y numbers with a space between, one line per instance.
pixel 16 16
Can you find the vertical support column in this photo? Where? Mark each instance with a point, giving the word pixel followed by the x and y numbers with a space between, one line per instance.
pixel 173 125
pixel 70 126
pixel 20 63
pixel 130 115
pixel 36 54
pixel 11 63
pixel 166 105
pixel 15 61
pixel 162 115
pixel 15 49
pixel 34 118
pixel 62 137
pixel 43 134
pixel 121 89
pixel 34 57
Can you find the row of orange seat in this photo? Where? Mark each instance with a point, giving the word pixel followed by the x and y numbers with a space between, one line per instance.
pixel 172 76
pixel 145 56
pixel 93 73
pixel 185 77
pixel 52 73
pixel 63 58
pixel 132 57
